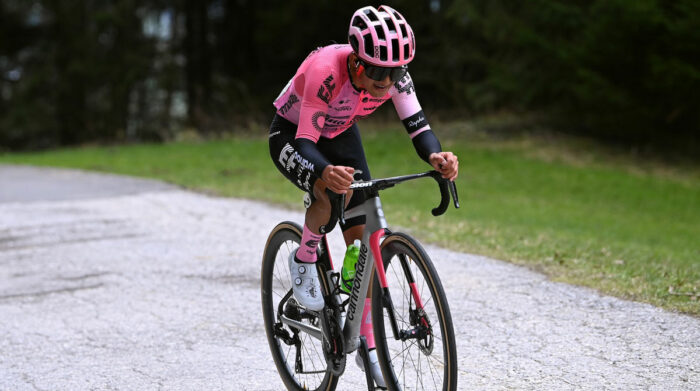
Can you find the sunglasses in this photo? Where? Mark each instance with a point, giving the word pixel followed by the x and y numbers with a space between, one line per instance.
pixel 378 73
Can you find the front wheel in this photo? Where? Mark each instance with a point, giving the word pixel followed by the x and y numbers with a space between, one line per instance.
pixel 420 353
pixel 298 356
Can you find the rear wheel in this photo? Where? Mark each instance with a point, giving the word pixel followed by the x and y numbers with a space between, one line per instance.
pixel 423 357
pixel 298 356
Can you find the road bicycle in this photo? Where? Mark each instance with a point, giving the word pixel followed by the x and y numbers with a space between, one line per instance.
pixel 411 318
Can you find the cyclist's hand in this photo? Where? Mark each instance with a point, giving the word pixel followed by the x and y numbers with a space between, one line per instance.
pixel 445 163
pixel 338 178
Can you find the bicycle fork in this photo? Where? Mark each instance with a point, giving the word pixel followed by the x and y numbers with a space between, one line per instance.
pixel 418 316
pixel 375 230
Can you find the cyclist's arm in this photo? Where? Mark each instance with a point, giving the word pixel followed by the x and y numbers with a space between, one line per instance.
pixel 312 113
pixel 403 95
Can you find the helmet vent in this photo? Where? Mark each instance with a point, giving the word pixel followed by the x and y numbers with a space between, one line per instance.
pixel 353 42
pixel 395 50
pixel 371 15
pixel 404 34
pixel 359 23
pixel 382 53
pixel 369 48
pixel 380 33
pixel 390 24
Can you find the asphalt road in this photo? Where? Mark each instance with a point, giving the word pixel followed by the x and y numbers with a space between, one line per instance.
pixel 115 283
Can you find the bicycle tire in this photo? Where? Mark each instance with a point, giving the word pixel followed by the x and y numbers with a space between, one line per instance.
pixel 275 285
pixel 419 354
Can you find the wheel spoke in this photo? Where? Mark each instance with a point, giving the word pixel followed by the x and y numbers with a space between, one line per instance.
pixel 276 285
pixel 417 363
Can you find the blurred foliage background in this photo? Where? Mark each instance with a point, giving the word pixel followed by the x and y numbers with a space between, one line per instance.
pixel 79 71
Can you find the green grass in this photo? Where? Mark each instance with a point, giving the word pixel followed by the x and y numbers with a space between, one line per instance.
pixel 576 211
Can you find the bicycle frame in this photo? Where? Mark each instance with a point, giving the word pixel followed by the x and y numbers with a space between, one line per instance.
pixel 375 229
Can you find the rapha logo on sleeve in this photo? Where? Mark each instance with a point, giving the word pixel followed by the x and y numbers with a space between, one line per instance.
pixel 414 124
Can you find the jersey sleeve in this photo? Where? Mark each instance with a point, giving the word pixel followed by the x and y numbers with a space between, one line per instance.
pixel 319 86
pixel 403 94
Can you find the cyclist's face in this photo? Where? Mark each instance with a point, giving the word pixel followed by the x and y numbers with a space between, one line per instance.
pixel 376 88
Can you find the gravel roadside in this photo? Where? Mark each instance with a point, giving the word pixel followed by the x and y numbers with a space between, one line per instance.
pixel 110 282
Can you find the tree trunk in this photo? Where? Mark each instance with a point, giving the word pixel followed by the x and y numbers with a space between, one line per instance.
pixel 70 30
pixel 198 66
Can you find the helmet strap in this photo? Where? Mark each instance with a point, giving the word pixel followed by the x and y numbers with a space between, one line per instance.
pixel 354 67
pixel 358 69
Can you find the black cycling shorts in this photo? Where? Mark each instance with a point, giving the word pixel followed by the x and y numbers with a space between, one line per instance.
pixel 344 150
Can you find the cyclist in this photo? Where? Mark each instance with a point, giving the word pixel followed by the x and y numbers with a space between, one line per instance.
pixel 315 141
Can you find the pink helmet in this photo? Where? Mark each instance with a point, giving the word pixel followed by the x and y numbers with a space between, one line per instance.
pixel 381 37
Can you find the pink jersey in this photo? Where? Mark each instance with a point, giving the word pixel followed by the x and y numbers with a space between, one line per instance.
pixel 322 101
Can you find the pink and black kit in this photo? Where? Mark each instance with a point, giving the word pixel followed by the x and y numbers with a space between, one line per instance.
pixel 315 123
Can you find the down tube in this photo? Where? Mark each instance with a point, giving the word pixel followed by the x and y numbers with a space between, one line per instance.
pixel 360 286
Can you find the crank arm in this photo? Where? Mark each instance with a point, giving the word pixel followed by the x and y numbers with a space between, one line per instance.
pixel 311 330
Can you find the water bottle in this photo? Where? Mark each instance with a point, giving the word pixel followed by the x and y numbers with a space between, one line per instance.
pixel 347 273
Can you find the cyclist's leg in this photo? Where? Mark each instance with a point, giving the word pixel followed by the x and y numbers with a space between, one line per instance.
pixel 346 149
pixel 282 151
pixel 284 154
pixel 320 210
pixel 349 152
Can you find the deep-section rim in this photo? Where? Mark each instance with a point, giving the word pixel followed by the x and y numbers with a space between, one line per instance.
pixel 282 233
pixel 409 245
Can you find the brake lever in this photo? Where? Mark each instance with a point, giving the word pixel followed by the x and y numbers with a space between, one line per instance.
pixel 341 209
pixel 447 189
pixel 453 192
